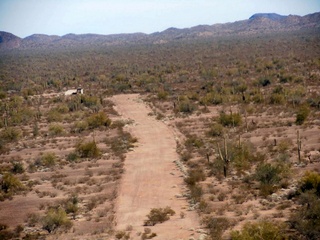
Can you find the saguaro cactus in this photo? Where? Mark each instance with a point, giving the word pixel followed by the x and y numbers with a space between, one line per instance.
pixel 224 156
pixel 299 146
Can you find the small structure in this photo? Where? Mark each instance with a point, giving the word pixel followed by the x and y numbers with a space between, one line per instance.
pixel 79 90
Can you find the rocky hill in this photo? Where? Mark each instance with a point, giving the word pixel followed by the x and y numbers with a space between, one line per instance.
pixel 258 23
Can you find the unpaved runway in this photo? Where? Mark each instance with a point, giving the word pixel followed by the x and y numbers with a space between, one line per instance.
pixel 151 179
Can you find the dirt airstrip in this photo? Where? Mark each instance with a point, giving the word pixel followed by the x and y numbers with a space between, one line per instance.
pixel 151 178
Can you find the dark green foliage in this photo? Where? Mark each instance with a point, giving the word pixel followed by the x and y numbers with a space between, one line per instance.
pixel 266 173
pixel 307 219
pixel 56 219
pixel 88 149
pixel 10 185
pixel 311 182
pixel 158 215
pixel 17 167
pixel 264 82
pixel 302 115
pixel 98 120
pixel 230 120
pixel 263 230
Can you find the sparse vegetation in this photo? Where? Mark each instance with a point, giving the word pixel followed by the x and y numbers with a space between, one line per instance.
pixel 158 215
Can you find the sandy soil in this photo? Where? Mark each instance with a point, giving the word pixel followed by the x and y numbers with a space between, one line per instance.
pixel 151 178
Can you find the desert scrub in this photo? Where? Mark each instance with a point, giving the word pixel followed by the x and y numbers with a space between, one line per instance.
pixel 310 182
pixel 263 230
pixel 230 120
pixel 46 160
pixel 215 130
pixel 79 126
pixel 306 220
pixel 302 114
pixel 158 215
pixel 56 219
pixel 99 119
pixel 10 134
pixel 88 149
pixel 216 226
pixel 55 129
pixel 121 144
pixel 10 185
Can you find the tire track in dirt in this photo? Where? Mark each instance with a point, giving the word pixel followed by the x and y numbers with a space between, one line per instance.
pixel 151 179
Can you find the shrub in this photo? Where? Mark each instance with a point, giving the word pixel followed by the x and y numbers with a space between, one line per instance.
pixel 277 98
pixel 79 126
pixel 267 173
pixel 310 182
pixel 216 226
pixel 307 219
pixel 98 119
pixel 17 167
pixel 231 120
pixel 47 160
pixel 162 95
pixel 11 184
pixel 54 116
pixel 158 215
pixel 194 176
pixel 186 106
pixel 55 129
pixel 302 115
pixel 56 218
pixel 87 149
pixel 269 176
pixel 10 134
pixel 216 130
pixel 263 230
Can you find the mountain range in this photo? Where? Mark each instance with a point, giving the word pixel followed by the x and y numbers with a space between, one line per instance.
pixel 257 24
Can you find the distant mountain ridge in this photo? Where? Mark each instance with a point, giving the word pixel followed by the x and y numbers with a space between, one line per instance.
pixel 257 23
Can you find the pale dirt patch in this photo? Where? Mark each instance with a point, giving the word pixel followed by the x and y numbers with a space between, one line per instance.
pixel 151 179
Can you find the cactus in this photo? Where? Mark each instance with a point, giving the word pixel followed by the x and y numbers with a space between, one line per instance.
pixel 224 156
pixel 299 146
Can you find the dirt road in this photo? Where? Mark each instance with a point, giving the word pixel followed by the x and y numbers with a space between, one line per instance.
pixel 151 178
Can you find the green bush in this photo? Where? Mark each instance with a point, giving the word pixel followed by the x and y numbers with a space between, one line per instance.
pixel 56 129
pixel 216 130
pixel 277 98
pixel 263 230
pixel 47 160
pixel 267 173
pixel 185 106
pixel 311 182
pixel 54 116
pixel 88 149
pixel 302 115
pixel 306 220
pixel 55 219
pixel 10 134
pixel 158 215
pixel 231 120
pixel 98 119
pixel 11 184
pixel 79 126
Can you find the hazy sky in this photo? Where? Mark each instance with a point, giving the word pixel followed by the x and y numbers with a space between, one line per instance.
pixel 59 17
